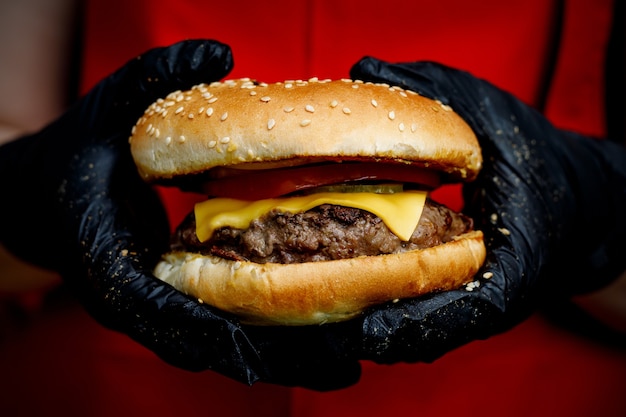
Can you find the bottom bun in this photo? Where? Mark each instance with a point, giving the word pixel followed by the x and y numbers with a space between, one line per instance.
pixel 321 292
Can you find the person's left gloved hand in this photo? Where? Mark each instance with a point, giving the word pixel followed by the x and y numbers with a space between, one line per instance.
pixel 550 202
pixel 74 203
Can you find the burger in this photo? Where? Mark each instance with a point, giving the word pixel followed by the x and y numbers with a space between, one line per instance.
pixel 318 202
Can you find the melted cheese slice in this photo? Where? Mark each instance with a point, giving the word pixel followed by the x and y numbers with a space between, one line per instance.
pixel 400 211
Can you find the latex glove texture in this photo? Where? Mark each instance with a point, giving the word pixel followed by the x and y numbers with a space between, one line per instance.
pixel 551 204
pixel 77 205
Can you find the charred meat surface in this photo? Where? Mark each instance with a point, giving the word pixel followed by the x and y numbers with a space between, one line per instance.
pixel 324 233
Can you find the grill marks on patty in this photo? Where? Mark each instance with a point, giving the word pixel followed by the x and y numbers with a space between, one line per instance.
pixel 327 232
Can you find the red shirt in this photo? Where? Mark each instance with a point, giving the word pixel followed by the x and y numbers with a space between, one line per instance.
pixel 535 369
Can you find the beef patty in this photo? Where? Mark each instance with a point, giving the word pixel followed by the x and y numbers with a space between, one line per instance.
pixel 324 233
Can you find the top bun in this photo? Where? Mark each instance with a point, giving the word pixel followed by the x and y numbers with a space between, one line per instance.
pixel 294 122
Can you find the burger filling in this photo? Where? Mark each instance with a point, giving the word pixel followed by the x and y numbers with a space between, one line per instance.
pixel 326 232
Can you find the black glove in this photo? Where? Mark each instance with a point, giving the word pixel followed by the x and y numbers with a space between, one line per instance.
pixel 73 202
pixel 551 204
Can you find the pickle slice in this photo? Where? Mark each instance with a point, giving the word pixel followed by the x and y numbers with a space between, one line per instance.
pixel 357 188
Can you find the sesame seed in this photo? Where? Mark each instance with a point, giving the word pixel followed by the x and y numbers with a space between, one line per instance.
pixel 313 79
pixel 181 139
pixel 164 113
pixel 179 110
pixel 190 116
pixel 504 231
pixel 253 93
pixel 488 275
pixel 334 104
pixel 413 127
pixel 168 140
pixel 374 103
pixel 212 100
pixel 392 115
pixel 157 133
pixel 346 110
pixel 209 111
pixel 172 95
pixel 271 123
pixel 494 218
pixel 224 116
pixel 355 86
pixel 288 85
pixel 265 99
pixel 403 94
pixel 225 139
pixel 401 127
pixel 309 108
pixel 305 122
pixel 237 265
pixel 288 109
pixel 212 144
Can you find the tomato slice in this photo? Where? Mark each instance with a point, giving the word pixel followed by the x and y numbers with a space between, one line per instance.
pixel 268 183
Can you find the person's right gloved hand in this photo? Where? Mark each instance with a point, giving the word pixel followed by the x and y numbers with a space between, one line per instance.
pixel 74 203
pixel 551 203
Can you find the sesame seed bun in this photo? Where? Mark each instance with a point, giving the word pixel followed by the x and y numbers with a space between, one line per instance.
pixel 240 122
pixel 262 126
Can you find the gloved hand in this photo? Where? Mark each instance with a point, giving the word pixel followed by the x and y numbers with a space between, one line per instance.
pixel 73 202
pixel 551 204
